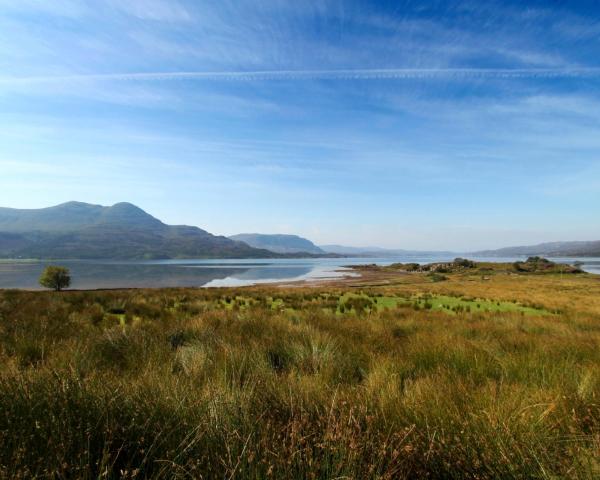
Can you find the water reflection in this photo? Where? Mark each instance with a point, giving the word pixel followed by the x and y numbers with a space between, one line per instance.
pixel 207 273
pixel 112 275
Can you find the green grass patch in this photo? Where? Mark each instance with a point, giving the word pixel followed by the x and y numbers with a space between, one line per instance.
pixel 454 305
pixel 444 303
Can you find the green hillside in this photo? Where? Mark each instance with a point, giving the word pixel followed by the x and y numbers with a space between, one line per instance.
pixel 123 231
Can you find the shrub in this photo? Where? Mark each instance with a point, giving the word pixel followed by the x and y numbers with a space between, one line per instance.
pixel 437 277
pixel 412 267
pixel 463 262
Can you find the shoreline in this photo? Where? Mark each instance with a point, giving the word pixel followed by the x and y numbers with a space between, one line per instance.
pixel 357 275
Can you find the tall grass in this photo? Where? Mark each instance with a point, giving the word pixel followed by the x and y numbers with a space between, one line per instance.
pixel 177 384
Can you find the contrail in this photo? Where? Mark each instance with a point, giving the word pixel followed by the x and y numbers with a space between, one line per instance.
pixel 350 74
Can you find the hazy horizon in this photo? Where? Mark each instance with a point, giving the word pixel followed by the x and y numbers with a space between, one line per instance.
pixel 409 125
pixel 365 248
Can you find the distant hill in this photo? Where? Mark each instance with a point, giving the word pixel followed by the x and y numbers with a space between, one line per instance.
pixel 73 216
pixel 279 243
pixel 379 252
pixel 552 249
pixel 123 231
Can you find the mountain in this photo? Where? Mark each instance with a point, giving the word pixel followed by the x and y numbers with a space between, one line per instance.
pixel 360 251
pixel 279 243
pixel 73 216
pixel 379 252
pixel 123 231
pixel 551 249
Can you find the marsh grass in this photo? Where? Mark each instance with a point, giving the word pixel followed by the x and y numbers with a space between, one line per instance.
pixel 270 383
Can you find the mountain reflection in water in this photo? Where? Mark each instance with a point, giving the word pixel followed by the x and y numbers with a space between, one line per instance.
pixel 101 274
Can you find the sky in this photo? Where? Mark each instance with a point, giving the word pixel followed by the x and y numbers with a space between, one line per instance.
pixel 405 124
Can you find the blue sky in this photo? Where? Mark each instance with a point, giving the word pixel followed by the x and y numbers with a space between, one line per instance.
pixel 409 124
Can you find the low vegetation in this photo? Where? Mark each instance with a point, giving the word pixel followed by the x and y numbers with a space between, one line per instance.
pixel 543 265
pixel 462 378
pixel 462 265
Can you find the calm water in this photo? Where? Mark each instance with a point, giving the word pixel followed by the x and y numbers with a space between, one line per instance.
pixel 206 273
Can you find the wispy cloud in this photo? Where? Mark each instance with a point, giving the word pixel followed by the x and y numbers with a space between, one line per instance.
pixel 351 74
pixel 57 8
pixel 161 10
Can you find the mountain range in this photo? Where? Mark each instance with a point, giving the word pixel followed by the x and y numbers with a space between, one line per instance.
pixel 77 230
pixel 550 249
pixel 380 252
pixel 279 243
pixel 123 231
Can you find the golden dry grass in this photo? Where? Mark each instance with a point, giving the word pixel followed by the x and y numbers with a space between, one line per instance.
pixel 270 382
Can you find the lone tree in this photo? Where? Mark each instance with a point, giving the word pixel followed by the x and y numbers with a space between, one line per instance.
pixel 55 277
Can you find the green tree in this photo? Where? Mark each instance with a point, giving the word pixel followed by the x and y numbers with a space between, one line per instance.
pixel 55 277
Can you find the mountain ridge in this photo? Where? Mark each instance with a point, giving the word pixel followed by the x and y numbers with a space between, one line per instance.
pixel 550 249
pixel 73 216
pixel 379 251
pixel 279 243
pixel 122 231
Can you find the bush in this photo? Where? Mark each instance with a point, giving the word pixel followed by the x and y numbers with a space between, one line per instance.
pixel 437 277
pixel 412 267
pixel 463 262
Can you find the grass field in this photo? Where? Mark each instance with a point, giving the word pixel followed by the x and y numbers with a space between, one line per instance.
pixel 471 377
